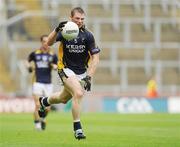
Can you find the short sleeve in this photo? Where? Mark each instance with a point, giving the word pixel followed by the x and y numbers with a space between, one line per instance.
pixel 31 57
pixel 91 45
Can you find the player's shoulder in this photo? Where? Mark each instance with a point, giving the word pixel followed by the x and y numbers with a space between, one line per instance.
pixel 51 52
pixel 34 52
pixel 87 31
pixel 37 51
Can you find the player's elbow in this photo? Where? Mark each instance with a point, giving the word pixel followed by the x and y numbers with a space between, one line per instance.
pixel 50 41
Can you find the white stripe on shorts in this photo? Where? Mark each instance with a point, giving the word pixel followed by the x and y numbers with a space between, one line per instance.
pixel 70 73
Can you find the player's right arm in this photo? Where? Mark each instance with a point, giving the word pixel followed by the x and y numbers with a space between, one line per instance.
pixel 53 35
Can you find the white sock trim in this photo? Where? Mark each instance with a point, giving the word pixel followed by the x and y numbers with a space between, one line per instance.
pixel 77 120
pixel 48 100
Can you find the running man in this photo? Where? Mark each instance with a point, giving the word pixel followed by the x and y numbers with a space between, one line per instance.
pixel 77 63
pixel 44 61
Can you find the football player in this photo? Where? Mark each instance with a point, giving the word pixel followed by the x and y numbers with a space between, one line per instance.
pixel 78 59
pixel 44 60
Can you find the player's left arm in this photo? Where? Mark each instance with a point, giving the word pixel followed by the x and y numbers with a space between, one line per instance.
pixel 93 64
pixel 94 53
pixel 90 72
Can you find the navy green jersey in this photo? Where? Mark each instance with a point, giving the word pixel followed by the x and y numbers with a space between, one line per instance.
pixel 75 54
pixel 43 63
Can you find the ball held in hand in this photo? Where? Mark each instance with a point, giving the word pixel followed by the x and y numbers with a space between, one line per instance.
pixel 70 31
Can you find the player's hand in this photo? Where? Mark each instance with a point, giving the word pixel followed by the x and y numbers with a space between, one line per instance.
pixel 87 83
pixel 60 26
pixel 30 69
pixel 54 66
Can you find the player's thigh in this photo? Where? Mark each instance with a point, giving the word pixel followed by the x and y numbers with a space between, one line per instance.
pixel 73 85
pixel 63 96
pixel 71 82
pixel 36 101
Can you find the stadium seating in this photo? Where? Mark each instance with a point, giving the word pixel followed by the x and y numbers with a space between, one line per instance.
pixel 138 38
pixel 6 82
pixel 39 23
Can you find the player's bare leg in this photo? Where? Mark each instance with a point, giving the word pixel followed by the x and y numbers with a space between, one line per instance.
pixel 40 123
pixel 72 88
pixel 73 85
pixel 60 97
pixel 37 121
pixel 43 119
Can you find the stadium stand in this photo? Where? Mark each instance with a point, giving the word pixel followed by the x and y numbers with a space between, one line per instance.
pixel 138 38
pixel 36 21
pixel 6 82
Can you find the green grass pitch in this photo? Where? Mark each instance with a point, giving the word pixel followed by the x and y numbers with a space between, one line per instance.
pixel 101 129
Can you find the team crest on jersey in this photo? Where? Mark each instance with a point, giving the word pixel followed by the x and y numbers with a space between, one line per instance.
pixel 44 58
pixel 38 57
pixel 50 59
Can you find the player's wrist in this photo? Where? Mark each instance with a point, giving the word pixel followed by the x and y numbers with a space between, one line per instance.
pixel 88 77
pixel 87 85
pixel 57 29
pixel 60 26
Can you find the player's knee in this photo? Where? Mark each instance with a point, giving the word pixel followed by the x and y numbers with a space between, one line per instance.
pixel 64 101
pixel 78 94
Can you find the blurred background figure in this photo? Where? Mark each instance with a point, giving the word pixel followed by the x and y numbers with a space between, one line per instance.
pixel 138 38
pixel 152 88
pixel 44 60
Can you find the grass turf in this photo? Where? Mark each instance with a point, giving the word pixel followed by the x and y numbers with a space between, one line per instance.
pixel 102 130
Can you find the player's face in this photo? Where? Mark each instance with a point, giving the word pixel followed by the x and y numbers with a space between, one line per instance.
pixel 45 47
pixel 78 18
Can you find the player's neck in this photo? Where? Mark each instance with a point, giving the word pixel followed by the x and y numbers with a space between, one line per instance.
pixel 44 50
